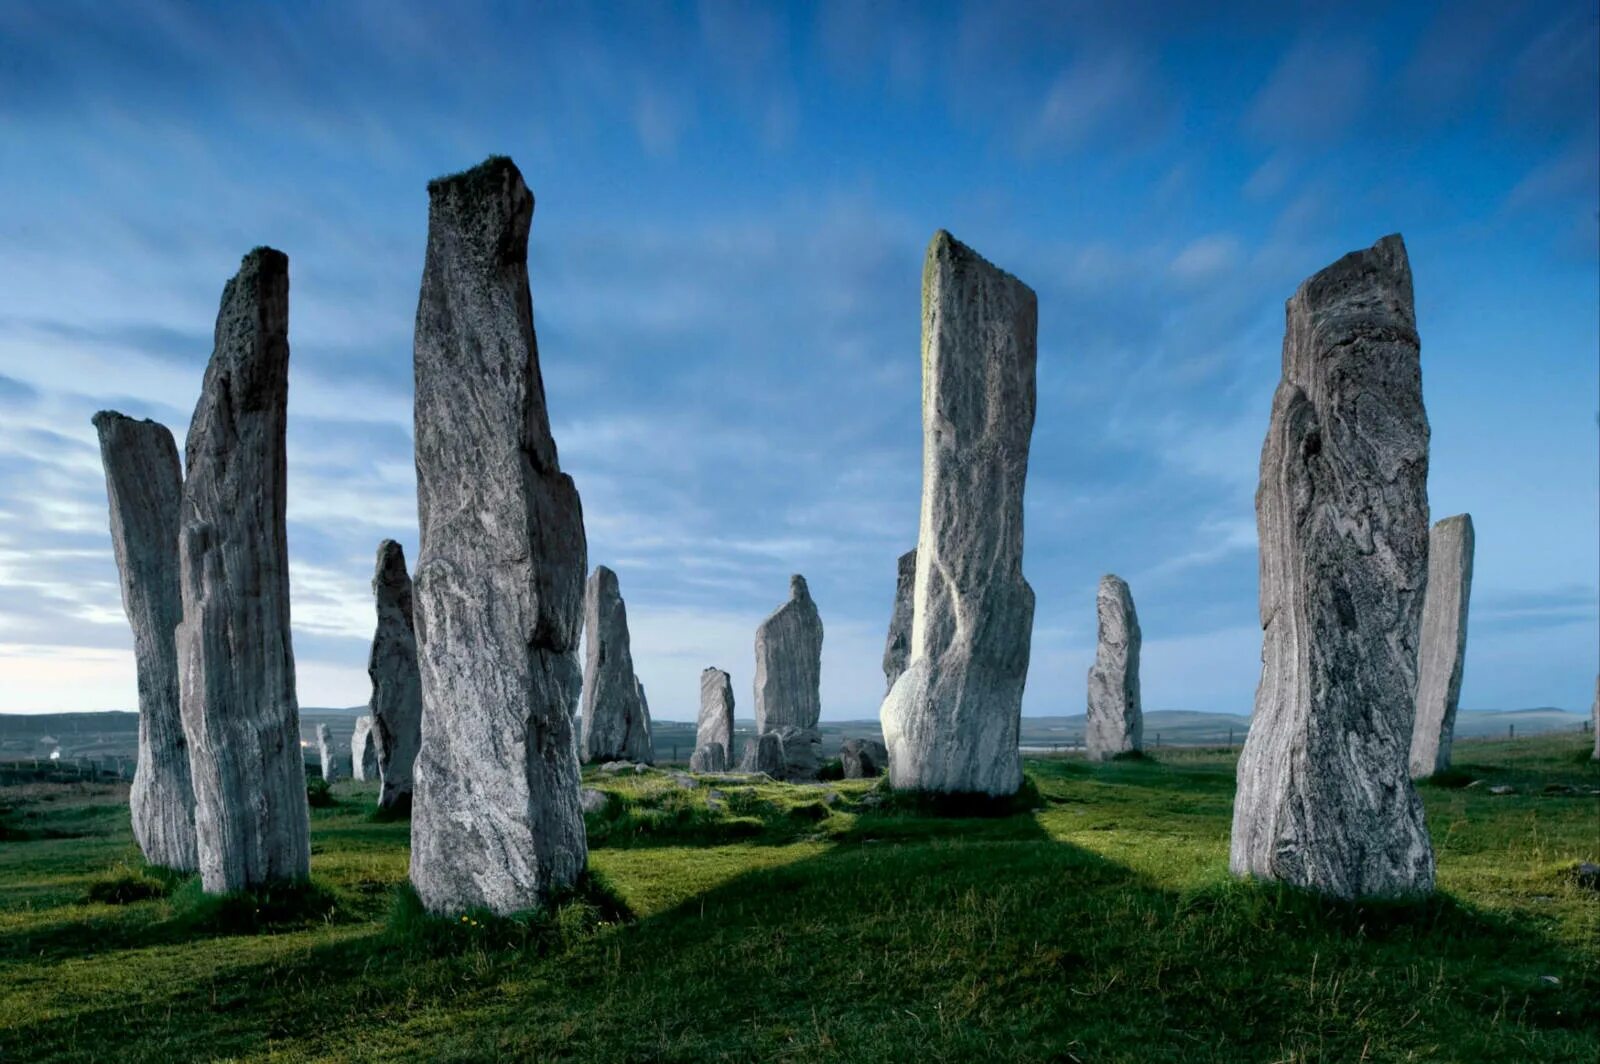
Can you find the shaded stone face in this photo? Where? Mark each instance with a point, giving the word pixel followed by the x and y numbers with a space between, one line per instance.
pixel 788 685
pixel 145 488
pixel 709 757
pixel 364 752
pixel 332 770
pixel 764 753
pixel 952 719
pixel 863 758
pixel 714 727
pixel 897 649
pixel 1325 800
pixel 616 719
pixel 1442 649
pixel 1115 722
pixel 396 702
pixel 235 658
pixel 499 581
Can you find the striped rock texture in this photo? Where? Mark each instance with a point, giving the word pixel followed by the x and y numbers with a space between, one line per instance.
pixel 1443 648
pixel 396 703
pixel 714 726
pixel 788 685
pixel 1115 723
pixel 616 719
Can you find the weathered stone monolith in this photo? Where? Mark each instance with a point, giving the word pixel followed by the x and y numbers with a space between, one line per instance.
pixel 145 486
pixel 1443 648
pixel 396 702
pixel 495 819
pixel 328 753
pixel 1594 720
pixel 1325 800
pixel 788 687
pixel 1115 722
pixel 764 753
pixel 714 727
pixel 897 648
pixel 709 757
pixel 235 656
pixel 863 758
pixel 364 752
pixel 952 718
pixel 616 724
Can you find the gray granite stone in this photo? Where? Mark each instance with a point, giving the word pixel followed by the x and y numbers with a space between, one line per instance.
pixel 1442 649
pixel 364 765
pixel 396 704
pixel 1115 722
pixel 328 754
pixel 616 718
pixel 714 726
pixel 863 758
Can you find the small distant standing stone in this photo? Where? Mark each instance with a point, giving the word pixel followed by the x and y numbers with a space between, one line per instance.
pixel 714 727
pixel 1115 723
pixel 897 649
pixel 863 758
pixel 788 685
pixel 328 753
pixel 396 702
pixel 1594 720
pixel 364 752
pixel 616 720
pixel 1442 649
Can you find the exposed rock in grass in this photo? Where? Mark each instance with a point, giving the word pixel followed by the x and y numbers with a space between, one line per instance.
pixel 1325 800
pixel 396 679
pixel 591 800
pixel 1115 722
pixel 1587 875
pixel 616 720
pixel 952 718
pixel 897 648
pixel 1504 788
pixel 496 821
pixel 1442 649
pixel 863 759
pixel 714 726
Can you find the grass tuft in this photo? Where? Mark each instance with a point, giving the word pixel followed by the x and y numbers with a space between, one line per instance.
pixel 275 906
pixel 319 793
pixel 571 916
pixel 124 884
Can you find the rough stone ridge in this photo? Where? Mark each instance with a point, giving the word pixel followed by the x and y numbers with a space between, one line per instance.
pixel 496 821
pixel 616 720
pixel 235 655
pixel 1115 723
pixel 764 753
pixel 714 726
pixel 364 751
pixel 396 703
pixel 897 648
pixel 789 663
pixel 1325 800
pixel 1442 649
pixel 952 719
pixel 144 485
pixel 863 758
pixel 332 770
pixel 709 757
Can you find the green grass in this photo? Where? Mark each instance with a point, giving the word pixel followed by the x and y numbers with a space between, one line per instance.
pixel 1094 920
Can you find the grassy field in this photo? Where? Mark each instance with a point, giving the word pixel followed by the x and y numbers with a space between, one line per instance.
pixel 804 923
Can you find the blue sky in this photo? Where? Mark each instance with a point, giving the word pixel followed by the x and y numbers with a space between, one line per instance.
pixel 732 205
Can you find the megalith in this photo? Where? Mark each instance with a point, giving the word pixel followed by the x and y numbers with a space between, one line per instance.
pixel 496 821
pixel 235 656
pixel 897 648
pixel 1115 722
pixel 788 686
pixel 952 719
pixel 144 486
pixel 1594 720
pixel 396 703
pixel 1442 649
pixel 709 757
pixel 714 726
pixel 1325 800
pixel 364 751
pixel 616 722
pixel 764 753
pixel 328 753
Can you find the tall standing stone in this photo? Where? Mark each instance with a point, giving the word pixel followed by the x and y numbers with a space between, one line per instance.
pixel 328 753
pixel 952 718
pixel 364 751
pixel 616 724
pixel 788 687
pixel 897 648
pixel 145 486
pixel 1443 647
pixel 1115 722
pixel 1325 800
pixel 1594 720
pixel 496 821
pixel 396 704
pixel 714 726
pixel 235 656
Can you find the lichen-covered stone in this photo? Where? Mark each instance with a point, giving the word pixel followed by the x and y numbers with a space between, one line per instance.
pixel 235 656
pixel 714 726
pixel 863 759
pixel 788 683
pixel 328 753
pixel 764 753
pixel 1325 800
pixel 709 757
pixel 496 821
pixel 1115 723
pixel 952 719
pixel 364 765
pixel 1442 649
pixel 144 485
pixel 396 704
pixel 897 648
pixel 616 719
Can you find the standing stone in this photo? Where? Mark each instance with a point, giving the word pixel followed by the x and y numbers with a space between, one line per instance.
pixel 1324 800
pixel 788 683
pixel 710 757
pixel 714 727
pixel 329 754
pixel 1443 647
pixel 863 758
pixel 897 650
pixel 144 486
pixel 764 753
pixel 235 655
pixel 1115 723
pixel 1594 720
pixel 396 703
pixel 364 752
pixel 952 718
pixel 616 724
pixel 499 589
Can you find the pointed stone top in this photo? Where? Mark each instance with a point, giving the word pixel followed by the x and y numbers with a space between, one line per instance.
pixel 797 587
pixel 605 579
pixel 1452 521
pixel 946 249
pixel 1112 580
pixel 391 567
pixel 1360 280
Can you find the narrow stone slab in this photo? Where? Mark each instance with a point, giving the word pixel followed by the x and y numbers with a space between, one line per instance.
pixel 788 683
pixel 1594 718
pixel 714 726
pixel 332 770
pixel 396 703
pixel 952 718
pixel 364 752
pixel 235 655
pixel 496 821
pixel 144 485
pixel 1115 722
pixel 1443 648
pixel 616 719
pixel 897 649
pixel 1325 800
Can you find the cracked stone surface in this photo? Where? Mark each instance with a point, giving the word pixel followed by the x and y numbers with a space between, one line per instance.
pixel 1442 650
pixel 1115 722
